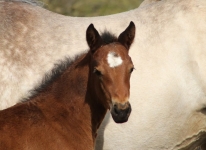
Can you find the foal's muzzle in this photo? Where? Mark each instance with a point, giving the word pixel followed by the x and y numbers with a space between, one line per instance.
pixel 120 112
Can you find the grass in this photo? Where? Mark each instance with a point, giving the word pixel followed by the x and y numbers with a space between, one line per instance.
pixel 83 8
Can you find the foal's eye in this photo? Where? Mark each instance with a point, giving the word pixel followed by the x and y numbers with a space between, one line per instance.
pixel 132 69
pixel 97 72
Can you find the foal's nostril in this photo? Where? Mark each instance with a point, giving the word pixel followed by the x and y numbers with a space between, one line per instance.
pixel 128 110
pixel 116 110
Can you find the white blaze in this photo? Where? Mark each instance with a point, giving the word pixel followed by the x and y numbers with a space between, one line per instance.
pixel 114 59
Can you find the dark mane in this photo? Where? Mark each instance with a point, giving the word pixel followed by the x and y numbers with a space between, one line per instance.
pixel 108 37
pixel 62 65
pixel 32 2
pixel 49 77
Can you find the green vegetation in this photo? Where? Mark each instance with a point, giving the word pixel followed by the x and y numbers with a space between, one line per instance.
pixel 84 8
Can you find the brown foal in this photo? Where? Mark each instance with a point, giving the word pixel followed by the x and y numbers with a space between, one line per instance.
pixel 65 112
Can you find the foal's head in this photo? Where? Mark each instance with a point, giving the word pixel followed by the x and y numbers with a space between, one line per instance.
pixel 110 69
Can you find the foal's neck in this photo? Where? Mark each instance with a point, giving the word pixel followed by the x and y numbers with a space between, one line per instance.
pixel 70 92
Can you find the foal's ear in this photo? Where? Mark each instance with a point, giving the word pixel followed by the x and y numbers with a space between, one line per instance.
pixel 126 37
pixel 94 40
